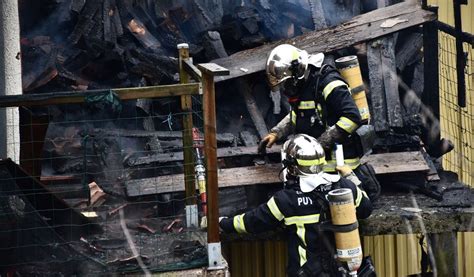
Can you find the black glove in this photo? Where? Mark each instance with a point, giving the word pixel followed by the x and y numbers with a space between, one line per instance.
pixel 330 136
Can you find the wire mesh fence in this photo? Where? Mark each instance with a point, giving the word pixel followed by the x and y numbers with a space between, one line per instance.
pixel 68 208
pixel 457 123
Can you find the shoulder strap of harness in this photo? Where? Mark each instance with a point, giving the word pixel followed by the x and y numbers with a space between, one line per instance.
pixel 318 98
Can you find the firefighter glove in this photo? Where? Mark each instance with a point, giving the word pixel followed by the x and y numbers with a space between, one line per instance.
pixel 267 141
pixel 344 170
pixel 347 173
pixel 330 136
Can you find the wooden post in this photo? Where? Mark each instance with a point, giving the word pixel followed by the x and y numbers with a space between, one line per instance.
pixel 460 58
pixel 188 159
pixel 210 70
pixel 379 104
pixel 430 96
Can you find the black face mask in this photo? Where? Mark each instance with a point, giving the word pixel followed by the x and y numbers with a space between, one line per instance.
pixel 291 87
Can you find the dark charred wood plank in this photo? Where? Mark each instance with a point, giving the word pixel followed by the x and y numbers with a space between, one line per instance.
pixel 77 5
pixel 117 21
pixel 361 28
pixel 86 20
pixel 178 156
pixel 107 16
pixel 410 50
pixel 213 45
pixel 317 13
pixel 377 95
pixel 222 138
pixel 390 80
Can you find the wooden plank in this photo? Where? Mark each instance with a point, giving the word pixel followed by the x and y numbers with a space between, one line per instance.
pixel 213 69
pixel 377 95
pixel 268 174
pixel 390 80
pixel 361 28
pixel 228 177
pixel 397 162
pixel 71 97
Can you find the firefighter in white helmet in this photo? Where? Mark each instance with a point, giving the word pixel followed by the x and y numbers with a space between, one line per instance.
pixel 321 106
pixel 301 207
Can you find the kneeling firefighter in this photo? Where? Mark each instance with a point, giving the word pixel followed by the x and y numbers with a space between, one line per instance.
pixel 321 106
pixel 303 209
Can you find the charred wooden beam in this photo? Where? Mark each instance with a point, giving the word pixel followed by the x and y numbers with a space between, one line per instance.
pixel 407 54
pixel 390 80
pixel 86 20
pixel 377 95
pixel 222 138
pixel 225 152
pixel 317 13
pixel 361 28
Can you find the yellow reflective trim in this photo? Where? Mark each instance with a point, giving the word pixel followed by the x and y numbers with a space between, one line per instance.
pixel 301 220
pixel 346 124
pixel 359 197
pixel 311 162
pixel 331 86
pixel 307 105
pixel 293 117
pixel 274 209
pixel 302 253
pixel 330 165
pixel 365 194
pixel 239 224
pixel 301 232
pixel 295 54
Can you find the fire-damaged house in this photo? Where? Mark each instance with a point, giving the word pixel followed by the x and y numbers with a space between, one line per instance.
pixel 140 120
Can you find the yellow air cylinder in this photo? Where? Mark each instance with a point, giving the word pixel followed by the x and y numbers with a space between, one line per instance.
pixel 343 213
pixel 350 70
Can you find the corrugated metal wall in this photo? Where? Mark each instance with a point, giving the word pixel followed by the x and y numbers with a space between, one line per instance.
pixel 393 256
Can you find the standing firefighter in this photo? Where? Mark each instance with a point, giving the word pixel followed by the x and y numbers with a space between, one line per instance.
pixel 321 106
pixel 303 209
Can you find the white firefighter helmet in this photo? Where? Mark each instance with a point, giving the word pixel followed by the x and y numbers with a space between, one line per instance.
pixel 284 62
pixel 304 157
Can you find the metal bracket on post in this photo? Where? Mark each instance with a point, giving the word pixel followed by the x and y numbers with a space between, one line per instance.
pixel 214 253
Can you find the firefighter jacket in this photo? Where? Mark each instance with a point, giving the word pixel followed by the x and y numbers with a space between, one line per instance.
pixel 320 104
pixel 300 213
